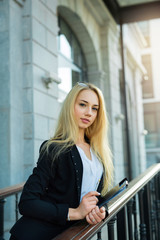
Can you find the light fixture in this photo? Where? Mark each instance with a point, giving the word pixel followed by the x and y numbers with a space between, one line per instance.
pixel 49 78
pixel 145 77
pixel 144 132
pixel 48 81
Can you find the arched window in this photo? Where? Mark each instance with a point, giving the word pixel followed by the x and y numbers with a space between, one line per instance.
pixel 71 62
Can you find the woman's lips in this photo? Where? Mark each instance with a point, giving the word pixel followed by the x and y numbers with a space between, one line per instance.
pixel 84 120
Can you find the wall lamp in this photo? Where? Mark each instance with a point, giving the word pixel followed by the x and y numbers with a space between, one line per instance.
pixel 47 81
pixel 144 132
pixel 145 77
pixel 49 78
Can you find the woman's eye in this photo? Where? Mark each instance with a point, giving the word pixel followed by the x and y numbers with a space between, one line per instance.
pixel 82 104
pixel 95 109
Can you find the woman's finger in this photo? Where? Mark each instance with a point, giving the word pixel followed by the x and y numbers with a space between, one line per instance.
pixel 88 220
pixel 90 199
pixel 94 214
pixel 91 194
pixel 102 209
pixel 91 219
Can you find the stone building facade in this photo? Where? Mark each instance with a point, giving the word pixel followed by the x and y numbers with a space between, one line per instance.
pixel 30 56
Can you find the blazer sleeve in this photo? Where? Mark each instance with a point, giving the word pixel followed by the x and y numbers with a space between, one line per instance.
pixel 31 202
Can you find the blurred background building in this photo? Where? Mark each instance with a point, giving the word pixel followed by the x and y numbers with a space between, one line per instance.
pixel 46 46
pixel 151 89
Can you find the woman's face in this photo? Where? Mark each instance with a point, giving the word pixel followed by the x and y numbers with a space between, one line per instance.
pixel 86 108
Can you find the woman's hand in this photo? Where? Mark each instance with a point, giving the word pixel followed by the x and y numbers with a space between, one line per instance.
pixel 96 215
pixel 88 203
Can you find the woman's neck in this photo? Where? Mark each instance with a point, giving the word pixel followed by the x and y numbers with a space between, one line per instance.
pixel 81 138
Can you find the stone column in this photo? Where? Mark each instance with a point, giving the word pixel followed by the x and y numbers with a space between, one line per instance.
pixel 11 104
pixel 40 62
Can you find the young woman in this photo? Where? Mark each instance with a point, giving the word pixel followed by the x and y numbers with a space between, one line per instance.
pixel 73 169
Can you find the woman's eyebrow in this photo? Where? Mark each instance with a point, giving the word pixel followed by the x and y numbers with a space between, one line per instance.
pixel 87 102
pixel 83 100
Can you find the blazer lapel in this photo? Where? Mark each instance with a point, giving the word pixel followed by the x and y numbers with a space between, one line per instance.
pixel 77 162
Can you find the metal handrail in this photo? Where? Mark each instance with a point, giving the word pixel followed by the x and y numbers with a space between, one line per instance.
pixel 4 193
pixel 82 230
pixel 12 190
pixel 134 186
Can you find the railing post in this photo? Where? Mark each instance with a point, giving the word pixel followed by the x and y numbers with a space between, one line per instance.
pixel 148 205
pixel 158 204
pixel 142 221
pixel 99 235
pixel 135 218
pixel 130 225
pixel 158 218
pixel 111 232
pixel 2 201
pixel 122 223
pixel 153 209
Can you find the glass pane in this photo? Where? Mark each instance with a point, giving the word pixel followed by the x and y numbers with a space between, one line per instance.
pixel 147 85
pixel 150 122
pixel 65 30
pixel 68 79
pixel 77 56
pixel 152 158
pixel 76 77
pixel 144 26
pixel 66 82
pixel 71 61
pixel 64 47
pixel 151 140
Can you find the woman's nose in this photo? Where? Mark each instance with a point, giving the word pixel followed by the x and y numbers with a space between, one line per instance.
pixel 89 111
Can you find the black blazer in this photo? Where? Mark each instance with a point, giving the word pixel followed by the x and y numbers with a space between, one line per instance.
pixel 52 188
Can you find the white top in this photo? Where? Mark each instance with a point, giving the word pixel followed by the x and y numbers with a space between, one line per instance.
pixel 92 172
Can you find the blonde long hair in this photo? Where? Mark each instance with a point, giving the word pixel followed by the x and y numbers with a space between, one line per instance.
pixel 67 130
